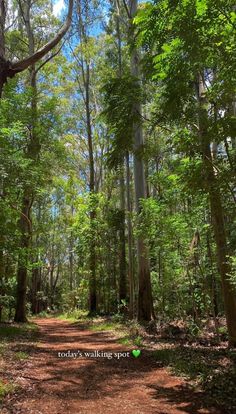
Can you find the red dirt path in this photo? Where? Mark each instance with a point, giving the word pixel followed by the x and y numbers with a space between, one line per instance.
pixel 53 385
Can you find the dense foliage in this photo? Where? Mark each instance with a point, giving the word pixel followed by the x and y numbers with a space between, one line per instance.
pixel 70 220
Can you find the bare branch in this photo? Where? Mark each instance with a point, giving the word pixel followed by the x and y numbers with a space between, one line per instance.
pixel 127 9
pixel 17 67
pixel 49 58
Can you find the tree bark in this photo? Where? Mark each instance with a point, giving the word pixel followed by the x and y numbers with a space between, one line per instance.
pixel 122 250
pixel 2 28
pixel 4 65
pixel 145 302
pixel 71 255
pixel 33 151
pixel 122 279
pixel 36 272
pixel 213 187
pixel 92 281
pixel 25 230
pixel 130 243
pixel 85 68
pixel 36 281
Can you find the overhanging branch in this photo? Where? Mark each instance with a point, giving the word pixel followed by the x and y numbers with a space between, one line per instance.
pixel 20 66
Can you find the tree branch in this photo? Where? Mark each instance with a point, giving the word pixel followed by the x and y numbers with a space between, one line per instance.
pixel 127 9
pixel 21 213
pixel 49 58
pixel 17 67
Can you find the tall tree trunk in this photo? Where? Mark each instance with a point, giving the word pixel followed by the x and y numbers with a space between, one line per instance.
pixel 145 302
pixel 213 292
pixel 32 153
pixel 122 279
pixel 92 279
pixel 2 274
pixel 25 230
pixel 3 63
pixel 213 187
pixel 51 285
pixel 71 255
pixel 122 250
pixel 2 27
pixel 130 242
pixel 36 272
pixel 35 288
pixel 71 265
pixel 83 18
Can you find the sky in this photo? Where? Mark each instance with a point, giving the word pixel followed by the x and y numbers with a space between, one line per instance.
pixel 58 6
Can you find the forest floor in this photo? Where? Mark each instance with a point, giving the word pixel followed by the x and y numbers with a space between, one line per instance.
pixel 46 381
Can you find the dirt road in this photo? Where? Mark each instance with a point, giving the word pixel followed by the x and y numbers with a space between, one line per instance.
pixel 96 385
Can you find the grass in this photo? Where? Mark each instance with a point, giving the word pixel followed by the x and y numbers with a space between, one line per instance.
pixel 2 348
pixel 43 314
pixel 73 316
pixel 213 369
pixel 125 341
pixel 138 341
pixel 65 316
pixel 6 388
pixel 13 337
pixel 181 362
pixel 95 324
pixel 127 334
pixel 21 355
pixel 98 326
pixel 14 331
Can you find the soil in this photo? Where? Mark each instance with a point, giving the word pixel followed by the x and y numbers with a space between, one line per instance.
pixel 50 384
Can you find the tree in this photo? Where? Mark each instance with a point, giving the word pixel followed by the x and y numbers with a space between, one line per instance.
pixel 195 87
pixel 85 66
pixel 145 305
pixel 10 69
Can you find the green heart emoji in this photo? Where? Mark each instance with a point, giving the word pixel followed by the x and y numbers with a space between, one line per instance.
pixel 136 353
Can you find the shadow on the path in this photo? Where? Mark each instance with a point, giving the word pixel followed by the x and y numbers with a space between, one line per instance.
pixel 97 378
